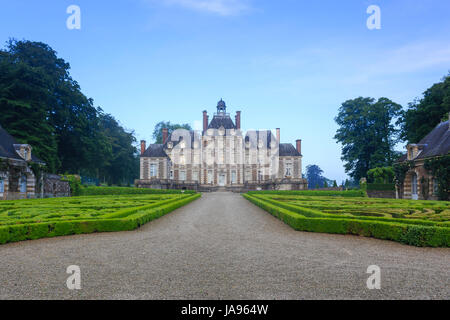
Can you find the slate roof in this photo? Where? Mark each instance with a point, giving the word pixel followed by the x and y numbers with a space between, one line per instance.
pixel 7 149
pixel 221 121
pixel 436 143
pixel 155 151
pixel 288 150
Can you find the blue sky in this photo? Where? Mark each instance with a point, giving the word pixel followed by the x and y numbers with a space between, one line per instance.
pixel 285 63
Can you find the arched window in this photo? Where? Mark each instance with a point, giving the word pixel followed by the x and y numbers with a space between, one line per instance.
pixel 23 184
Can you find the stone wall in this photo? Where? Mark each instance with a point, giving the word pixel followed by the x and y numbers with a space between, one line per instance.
pixel 386 194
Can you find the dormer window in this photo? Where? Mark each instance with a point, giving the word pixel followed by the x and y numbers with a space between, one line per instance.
pixel 414 150
pixel 24 151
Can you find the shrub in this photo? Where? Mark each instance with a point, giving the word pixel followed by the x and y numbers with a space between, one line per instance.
pixel 381 186
pixel 74 183
pixel 318 193
pixel 381 175
pixel 440 169
pixel 97 191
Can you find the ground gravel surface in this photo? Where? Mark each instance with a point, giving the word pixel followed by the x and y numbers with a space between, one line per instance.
pixel 221 247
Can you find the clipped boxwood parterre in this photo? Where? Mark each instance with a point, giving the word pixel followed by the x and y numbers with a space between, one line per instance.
pixel 130 218
pixel 416 232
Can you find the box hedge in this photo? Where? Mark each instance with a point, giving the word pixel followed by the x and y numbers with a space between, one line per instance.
pixel 411 234
pixel 318 193
pixel 124 221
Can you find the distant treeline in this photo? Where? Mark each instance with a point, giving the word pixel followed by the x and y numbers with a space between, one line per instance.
pixel 42 105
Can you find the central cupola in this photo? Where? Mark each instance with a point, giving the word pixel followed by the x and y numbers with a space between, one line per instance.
pixel 221 107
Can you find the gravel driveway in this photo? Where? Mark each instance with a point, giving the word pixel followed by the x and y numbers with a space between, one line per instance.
pixel 221 247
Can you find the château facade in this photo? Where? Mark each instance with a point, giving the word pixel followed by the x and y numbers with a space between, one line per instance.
pixel 221 156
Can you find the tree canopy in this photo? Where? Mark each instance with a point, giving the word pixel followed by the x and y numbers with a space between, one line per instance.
pixel 314 176
pixel 367 134
pixel 425 114
pixel 157 132
pixel 42 105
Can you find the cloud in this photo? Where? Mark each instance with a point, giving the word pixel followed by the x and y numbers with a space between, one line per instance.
pixel 220 7
pixel 413 57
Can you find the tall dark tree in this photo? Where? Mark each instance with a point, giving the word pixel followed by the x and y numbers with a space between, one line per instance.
pixel 24 92
pixel 367 134
pixel 123 164
pixel 42 105
pixel 157 132
pixel 423 115
pixel 314 176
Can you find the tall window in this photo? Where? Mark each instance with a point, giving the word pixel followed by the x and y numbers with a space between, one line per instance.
pixel 210 176
pixel 288 171
pixel 260 175
pixel 183 175
pixel 248 175
pixel 435 186
pixel 23 184
pixel 233 176
pixel 195 175
pixel 414 184
pixel 2 185
pixel 153 170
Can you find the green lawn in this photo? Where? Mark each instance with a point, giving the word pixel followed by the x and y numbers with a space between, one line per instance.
pixel 420 223
pixel 37 218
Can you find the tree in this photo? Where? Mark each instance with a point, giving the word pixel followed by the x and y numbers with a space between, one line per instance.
pixel 367 134
pixel 43 106
pixel 425 114
pixel 157 132
pixel 314 176
pixel 24 111
pixel 381 175
pixel 335 184
pixel 123 164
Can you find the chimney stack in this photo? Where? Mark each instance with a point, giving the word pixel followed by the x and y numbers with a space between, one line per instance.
pixel 143 143
pixel 205 121
pixel 299 146
pixel 165 134
pixel 238 120
pixel 278 135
